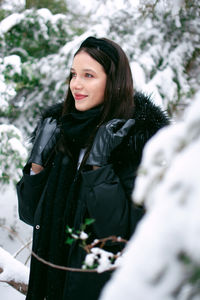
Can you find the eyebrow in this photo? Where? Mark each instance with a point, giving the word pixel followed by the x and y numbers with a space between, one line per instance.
pixel 85 70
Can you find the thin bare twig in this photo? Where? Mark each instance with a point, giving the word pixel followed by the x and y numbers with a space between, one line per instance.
pixel 27 260
pixel 13 233
pixel 102 242
pixel 22 248
pixel 87 249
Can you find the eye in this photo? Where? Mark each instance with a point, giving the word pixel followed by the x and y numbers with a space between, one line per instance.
pixel 73 74
pixel 89 75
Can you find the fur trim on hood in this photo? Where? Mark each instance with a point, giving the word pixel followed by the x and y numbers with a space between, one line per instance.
pixel 149 118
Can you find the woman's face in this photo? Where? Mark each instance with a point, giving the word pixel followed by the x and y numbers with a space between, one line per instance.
pixel 88 82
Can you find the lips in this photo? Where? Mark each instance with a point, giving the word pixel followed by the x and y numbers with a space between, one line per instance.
pixel 79 96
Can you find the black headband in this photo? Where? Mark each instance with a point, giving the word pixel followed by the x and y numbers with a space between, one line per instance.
pixel 100 44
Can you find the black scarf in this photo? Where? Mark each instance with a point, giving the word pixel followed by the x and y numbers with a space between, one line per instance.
pixel 55 203
pixel 78 126
pixel 58 208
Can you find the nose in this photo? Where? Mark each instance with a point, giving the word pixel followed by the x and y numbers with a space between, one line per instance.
pixel 76 83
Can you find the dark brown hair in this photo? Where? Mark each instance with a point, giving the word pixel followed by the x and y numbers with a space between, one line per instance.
pixel 118 95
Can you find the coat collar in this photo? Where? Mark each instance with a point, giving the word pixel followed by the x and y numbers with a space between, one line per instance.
pixel 147 115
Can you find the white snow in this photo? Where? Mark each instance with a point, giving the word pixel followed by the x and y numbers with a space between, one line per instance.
pixel 101 256
pixel 83 235
pixel 138 74
pixel 171 227
pixel 13 4
pixel 7 23
pixel 14 234
pixel 11 65
pixel 13 153
pixel 17 146
pixel 4 103
pixel 14 138
pixel 8 293
pixel 100 7
pixel 12 268
pixel 164 148
pixel 15 62
pixel 45 13
pixel 169 193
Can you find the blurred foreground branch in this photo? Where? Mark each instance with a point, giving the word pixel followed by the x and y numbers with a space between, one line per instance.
pixel 13 272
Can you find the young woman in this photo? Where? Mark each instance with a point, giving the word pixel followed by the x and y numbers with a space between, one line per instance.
pixel 83 164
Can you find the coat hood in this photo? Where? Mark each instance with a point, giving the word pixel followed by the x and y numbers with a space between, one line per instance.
pixel 148 115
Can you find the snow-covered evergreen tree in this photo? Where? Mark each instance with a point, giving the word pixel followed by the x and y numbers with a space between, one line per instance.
pixel 160 37
pixel 162 42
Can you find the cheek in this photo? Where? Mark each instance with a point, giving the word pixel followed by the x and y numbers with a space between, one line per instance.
pixel 71 85
pixel 100 87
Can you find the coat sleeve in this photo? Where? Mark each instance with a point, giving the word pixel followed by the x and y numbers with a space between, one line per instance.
pixel 29 190
pixel 108 203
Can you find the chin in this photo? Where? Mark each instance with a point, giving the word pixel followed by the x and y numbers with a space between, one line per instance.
pixel 82 107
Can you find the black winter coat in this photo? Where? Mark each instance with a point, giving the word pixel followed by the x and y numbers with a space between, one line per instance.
pixel 103 194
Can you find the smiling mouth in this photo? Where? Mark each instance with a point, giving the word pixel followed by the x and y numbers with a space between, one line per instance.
pixel 79 97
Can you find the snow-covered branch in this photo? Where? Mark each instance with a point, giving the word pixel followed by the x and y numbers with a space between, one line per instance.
pixel 12 154
pixel 97 259
pixel 13 272
pixel 162 259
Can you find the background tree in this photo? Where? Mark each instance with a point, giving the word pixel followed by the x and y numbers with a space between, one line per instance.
pixel 55 6
pixel 161 39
